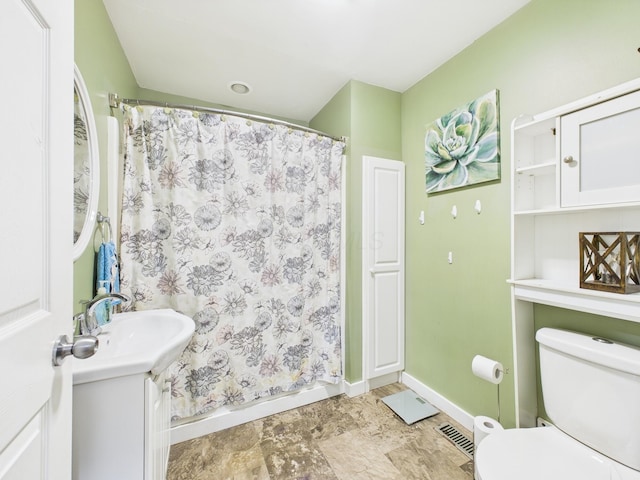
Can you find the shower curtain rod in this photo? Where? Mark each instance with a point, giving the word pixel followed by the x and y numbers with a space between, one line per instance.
pixel 115 101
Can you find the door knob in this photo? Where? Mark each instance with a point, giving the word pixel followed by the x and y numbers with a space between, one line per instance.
pixel 568 159
pixel 81 347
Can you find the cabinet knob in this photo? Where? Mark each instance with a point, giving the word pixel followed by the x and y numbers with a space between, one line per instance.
pixel 568 159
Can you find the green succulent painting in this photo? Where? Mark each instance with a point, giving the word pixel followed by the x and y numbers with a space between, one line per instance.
pixel 462 147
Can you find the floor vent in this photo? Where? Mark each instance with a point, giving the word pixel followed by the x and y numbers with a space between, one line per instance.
pixel 460 440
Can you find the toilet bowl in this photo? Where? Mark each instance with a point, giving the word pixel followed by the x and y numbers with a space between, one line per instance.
pixel 544 453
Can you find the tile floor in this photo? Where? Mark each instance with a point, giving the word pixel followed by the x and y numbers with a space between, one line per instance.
pixel 340 438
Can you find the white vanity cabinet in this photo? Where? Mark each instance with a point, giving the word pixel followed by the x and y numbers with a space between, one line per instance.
pixel 574 169
pixel 121 428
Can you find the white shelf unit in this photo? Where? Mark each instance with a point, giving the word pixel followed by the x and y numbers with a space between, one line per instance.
pixel 536 166
pixel 545 252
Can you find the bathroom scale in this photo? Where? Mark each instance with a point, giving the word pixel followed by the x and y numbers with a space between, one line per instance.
pixel 409 406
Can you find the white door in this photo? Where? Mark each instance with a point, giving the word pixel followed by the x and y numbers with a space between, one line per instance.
pixel 36 162
pixel 383 266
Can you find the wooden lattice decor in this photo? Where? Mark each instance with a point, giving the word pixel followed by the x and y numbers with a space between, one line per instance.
pixel 610 261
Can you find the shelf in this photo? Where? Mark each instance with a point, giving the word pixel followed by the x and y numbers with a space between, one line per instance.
pixel 626 307
pixel 545 235
pixel 546 168
pixel 533 126
pixel 533 213
pixel 580 209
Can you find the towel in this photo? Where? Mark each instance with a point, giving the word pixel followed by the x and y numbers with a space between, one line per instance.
pixel 107 276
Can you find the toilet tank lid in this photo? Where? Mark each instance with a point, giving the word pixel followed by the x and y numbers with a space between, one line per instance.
pixel 618 356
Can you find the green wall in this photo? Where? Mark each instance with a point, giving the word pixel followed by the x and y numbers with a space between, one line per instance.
pixel 105 70
pixel 370 117
pixel 547 54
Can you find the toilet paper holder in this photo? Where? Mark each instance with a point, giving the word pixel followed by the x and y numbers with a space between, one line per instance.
pixel 490 370
pixel 487 369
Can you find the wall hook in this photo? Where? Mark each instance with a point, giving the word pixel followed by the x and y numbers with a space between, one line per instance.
pixel 478 207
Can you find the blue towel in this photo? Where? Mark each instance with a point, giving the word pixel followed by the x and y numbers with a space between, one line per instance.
pixel 107 276
pixel 108 268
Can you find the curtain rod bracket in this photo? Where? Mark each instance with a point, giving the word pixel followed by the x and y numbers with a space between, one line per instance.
pixel 114 100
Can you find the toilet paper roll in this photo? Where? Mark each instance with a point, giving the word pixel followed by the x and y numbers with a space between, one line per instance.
pixel 487 369
pixel 483 426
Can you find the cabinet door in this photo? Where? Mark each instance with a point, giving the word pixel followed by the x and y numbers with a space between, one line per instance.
pixel 600 153
pixel 157 427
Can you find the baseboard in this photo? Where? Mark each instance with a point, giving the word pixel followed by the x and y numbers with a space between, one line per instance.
pixel 438 401
pixel 223 418
pixel 383 380
pixel 355 389
pixel 363 386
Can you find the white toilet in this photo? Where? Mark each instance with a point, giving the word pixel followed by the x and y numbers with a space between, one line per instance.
pixel 591 391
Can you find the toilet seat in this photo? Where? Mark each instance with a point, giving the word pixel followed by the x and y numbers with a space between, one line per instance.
pixel 544 453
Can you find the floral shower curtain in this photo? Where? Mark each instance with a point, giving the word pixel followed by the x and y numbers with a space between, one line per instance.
pixel 235 223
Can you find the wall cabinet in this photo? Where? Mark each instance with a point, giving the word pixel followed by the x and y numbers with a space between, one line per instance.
pixel 574 169
pixel 600 152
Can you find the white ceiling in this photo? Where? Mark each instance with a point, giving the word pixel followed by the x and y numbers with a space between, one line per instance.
pixel 295 54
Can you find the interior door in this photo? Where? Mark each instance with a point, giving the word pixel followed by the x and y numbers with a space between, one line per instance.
pixel 383 266
pixel 36 171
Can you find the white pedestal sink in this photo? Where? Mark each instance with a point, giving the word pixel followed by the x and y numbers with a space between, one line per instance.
pixel 121 397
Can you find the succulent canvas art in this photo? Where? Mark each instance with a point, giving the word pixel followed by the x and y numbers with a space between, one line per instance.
pixel 462 147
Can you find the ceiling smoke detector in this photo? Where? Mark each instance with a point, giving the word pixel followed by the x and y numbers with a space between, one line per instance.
pixel 240 88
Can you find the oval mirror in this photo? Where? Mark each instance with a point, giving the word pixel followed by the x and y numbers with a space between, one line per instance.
pixel 86 173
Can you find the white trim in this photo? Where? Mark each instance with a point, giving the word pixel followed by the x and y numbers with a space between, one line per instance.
pixel 343 263
pixel 383 380
pixel 224 418
pixel 458 414
pixel 364 224
pixel 363 386
pixel 355 389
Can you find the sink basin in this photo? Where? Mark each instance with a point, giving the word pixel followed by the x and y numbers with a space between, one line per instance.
pixel 136 342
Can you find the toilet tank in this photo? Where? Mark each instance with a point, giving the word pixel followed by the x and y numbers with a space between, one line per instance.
pixel 591 391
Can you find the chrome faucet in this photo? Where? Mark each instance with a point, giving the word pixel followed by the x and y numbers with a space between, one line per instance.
pixel 86 321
